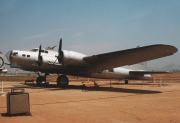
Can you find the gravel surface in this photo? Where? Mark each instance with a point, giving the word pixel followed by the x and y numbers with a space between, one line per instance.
pixel 137 102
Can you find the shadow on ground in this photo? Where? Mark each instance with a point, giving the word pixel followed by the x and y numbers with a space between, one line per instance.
pixel 15 115
pixel 53 87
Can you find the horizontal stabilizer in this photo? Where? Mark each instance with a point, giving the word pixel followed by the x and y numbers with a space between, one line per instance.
pixel 148 72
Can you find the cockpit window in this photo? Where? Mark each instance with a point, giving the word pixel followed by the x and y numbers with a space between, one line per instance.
pixel 15 53
pixel 42 51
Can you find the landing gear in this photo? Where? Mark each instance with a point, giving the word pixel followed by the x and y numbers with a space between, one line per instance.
pixel 40 79
pixel 126 81
pixel 62 81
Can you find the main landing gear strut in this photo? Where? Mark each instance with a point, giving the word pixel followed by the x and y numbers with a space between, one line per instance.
pixel 62 80
pixel 41 79
pixel 126 81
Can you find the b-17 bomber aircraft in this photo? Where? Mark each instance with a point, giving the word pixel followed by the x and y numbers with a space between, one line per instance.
pixel 103 66
pixel 2 67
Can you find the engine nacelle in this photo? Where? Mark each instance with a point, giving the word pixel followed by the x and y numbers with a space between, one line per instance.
pixel 71 58
pixel 68 58
pixel 47 60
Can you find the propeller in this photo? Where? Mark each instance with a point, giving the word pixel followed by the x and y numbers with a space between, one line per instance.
pixel 39 62
pixel 59 57
pixel 1 62
pixel 60 51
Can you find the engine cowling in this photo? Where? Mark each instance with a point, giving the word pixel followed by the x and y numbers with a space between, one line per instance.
pixel 47 60
pixel 71 58
pixel 68 58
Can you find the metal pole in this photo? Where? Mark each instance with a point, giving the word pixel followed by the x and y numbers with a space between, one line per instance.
pixel 160 82
pixel 2 93
pixel 2 86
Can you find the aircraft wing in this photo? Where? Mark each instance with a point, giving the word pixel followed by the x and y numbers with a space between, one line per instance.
pixel 110 60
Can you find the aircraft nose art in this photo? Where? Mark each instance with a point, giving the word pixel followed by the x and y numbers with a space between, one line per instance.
pixel 8 56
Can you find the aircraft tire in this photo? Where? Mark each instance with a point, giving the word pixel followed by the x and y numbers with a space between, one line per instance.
pixel 39 80
pixel 62 81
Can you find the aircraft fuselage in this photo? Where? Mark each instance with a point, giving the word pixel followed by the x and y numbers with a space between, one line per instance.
pixel 104 66
pixel 27 60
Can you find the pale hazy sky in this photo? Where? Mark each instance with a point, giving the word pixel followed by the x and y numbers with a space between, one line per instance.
pixel 90 26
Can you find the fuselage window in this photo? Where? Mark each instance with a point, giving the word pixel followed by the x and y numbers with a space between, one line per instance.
pixel 23 55
pixel 28 55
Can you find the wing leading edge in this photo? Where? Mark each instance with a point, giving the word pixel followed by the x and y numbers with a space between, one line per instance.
pixel 128 57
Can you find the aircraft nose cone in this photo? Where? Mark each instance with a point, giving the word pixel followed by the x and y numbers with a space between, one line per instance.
pixel 8 56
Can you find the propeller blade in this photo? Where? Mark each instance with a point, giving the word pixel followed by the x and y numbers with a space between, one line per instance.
pixel 60 46
pixel 59 51
pixel 1 62
pixel 39 52
pixel 39 56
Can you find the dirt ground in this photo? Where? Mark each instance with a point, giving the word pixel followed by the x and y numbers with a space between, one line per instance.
pixel 137 102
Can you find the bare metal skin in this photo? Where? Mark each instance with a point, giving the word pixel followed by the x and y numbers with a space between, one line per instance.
pixel 104 66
